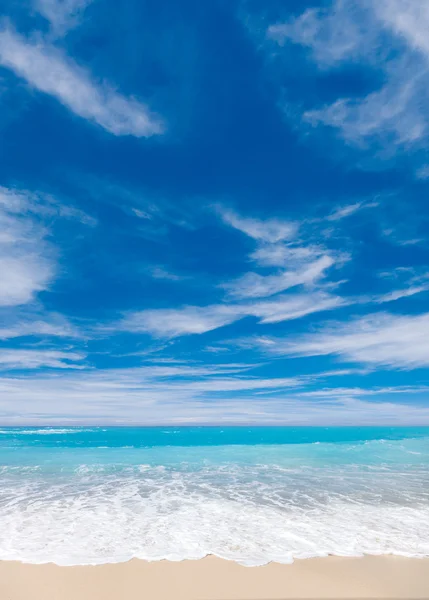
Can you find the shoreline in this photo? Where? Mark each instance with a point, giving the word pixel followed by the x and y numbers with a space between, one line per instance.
pixel 211 578
pixel 212 556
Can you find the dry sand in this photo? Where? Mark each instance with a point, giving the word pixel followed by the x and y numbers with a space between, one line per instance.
pixel 215 579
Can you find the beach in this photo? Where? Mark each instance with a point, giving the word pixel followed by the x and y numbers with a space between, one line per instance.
pixel 215 579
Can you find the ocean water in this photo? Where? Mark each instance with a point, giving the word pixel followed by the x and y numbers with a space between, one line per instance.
pixel 250 494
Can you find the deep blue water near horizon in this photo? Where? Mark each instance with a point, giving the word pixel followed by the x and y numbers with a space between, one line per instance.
pixel 79 495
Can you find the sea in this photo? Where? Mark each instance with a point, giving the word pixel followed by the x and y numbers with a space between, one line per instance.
pixel 91 495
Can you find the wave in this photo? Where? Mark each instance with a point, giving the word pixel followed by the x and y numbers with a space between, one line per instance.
pixel 72 532
pixel 252 515
pixel 43 431
pixel 251 504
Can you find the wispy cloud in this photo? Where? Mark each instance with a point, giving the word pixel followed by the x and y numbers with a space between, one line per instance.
pixel 47 70
pixel 357 392
pixel 253 285
pixel 265 230
pixel 61 14
pixel 332 35
pixel 16 323
pixel 179 321
pixel 410 281
pixel 392 341
pixel 306 265
pixel 42 205
pixel 144 396
pixel 295 306
pixel 402 293
pixel 186 320
pixel 20 358
pixel 26 258
pixel 248 296
pixel 394 115
pixel 29 266
pixel 278 244
pixel 280 254
pixel 343 212
pixel 161 273
pixel 408 19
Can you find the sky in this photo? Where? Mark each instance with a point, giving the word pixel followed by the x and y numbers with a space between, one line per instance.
pixel 214 212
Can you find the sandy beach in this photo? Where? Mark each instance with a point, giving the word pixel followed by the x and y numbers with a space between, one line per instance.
pixel 215 579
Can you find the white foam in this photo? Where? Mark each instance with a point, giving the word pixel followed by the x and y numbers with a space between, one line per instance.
pixel 156 513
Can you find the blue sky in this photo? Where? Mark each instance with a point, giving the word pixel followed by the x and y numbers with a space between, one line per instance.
pixel 214 213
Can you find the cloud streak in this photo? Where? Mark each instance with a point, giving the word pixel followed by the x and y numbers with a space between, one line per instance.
pixel 146 397
pixel 17 323
pixel 381 339
pixel 253 285
pixel 47 70
pixel 268 230
pixel 14 358
pixel 170 323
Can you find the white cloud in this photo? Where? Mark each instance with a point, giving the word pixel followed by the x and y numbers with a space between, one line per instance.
pixel 404 293
pixel 44 68
pixel 171 323
pixel 344 211
pixel 408 19
pixel 304 264
pixel 136 396
pixel 286 255
pixel 26 263
pixel 268 230
pixel 253 285
pixel 166 322
pixel 23 275
pixel 350 209
pixel 161 273
pixel 186 370
pixel 412 281
pixel 362 392
pixel 62 14
pixel 396 115
pixel 387 340
pixel 40 204
pixel 238 384
pixel 332 36
pixel 16 358
pixel 294 306
pixel 14 324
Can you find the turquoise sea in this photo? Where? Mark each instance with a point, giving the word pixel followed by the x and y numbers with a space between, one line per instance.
pixel 89 495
